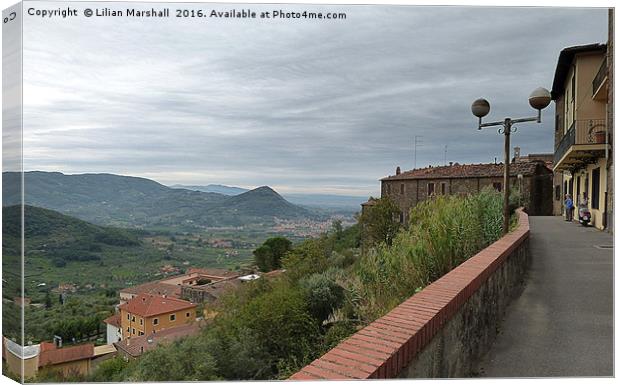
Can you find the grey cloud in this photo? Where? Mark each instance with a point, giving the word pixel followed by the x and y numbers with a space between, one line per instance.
pixel 300 105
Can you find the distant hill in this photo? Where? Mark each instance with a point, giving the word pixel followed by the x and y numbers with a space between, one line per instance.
pixel 125 201
pixel 262 202
pixel 214 188
pixel 323 201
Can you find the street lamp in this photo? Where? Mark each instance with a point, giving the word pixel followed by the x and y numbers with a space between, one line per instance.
pixel 539 99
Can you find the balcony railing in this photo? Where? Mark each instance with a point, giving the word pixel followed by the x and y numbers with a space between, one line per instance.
pixel 590 131
pixel 600 76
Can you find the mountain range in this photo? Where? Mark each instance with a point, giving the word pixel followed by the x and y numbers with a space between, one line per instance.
pixel 125 201
pixel 326 201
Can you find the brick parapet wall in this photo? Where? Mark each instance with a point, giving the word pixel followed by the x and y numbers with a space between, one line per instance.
pixel 389 346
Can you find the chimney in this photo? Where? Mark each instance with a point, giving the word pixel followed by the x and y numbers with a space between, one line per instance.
pixel 517 153
pixel 398 170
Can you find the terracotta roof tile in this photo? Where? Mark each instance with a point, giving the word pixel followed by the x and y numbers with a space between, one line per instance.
pixel 68 354
pixel 135 346
pixel 526 168
pixel 114 320
pixel 222 273
pixel 157 288
pixel 147 305
pixel 220 288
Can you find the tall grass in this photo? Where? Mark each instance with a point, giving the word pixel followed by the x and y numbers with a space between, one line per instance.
pixel 443 232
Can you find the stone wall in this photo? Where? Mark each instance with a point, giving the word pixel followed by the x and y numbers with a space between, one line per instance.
pixel 443 330
pixel 536 191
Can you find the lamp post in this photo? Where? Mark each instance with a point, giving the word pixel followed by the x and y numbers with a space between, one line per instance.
pixel 539 99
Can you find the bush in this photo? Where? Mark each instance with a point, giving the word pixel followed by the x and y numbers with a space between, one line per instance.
pixel 269 255
pixel 323 294
pixel 442 234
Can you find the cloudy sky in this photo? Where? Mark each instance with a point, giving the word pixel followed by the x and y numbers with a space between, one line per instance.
pixel 302 106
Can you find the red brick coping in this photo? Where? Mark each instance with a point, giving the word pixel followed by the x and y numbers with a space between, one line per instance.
pixel 389 344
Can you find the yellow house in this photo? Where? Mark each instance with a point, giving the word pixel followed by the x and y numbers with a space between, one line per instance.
pixel 148 313
pixel 582 145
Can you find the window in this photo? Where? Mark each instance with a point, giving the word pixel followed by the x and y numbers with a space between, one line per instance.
pixel 401 217
pixel 133 319
pixel 557 122
pixel 133 331
pixel 141 322
pixel 431 189
pixel 173 317
pixel 155 321
pixel 187 315
pixel 443 189
pixel 596 187
pixel 128 316
pixel 558 192
pixel 128 330
pixel 572 89
pixel 497 186
pixel 389 188
pixel 402 188
pixel 140 333
pixel 578 196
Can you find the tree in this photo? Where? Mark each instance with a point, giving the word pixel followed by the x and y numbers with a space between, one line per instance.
pixel 337 229
pixel 379 222
pixel 48 300
pixel 269 255
pixel 183 360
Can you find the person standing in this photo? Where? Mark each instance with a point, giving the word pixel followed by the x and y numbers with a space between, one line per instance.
pixel 569 207
pixel 583 204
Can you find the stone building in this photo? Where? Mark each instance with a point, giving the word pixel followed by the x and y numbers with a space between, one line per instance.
pixel 532 177
pixel 582 160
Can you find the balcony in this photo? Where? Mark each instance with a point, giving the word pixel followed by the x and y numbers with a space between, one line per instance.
pixel 599 84
pixel 584 143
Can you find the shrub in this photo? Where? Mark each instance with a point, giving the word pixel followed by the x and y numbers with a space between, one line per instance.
pixel 269 255
pixel 442 234
pixel 323 294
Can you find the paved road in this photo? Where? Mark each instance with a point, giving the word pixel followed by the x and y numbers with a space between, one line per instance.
pixel 562 324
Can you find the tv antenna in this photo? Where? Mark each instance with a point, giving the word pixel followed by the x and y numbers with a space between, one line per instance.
pixel 417 141
pixel 445 155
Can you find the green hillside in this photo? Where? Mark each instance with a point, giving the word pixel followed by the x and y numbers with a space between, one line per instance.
pixel 59 237
pixel 125 201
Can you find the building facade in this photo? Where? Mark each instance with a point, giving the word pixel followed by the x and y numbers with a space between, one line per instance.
pixel 113 328
pixel 582 146
pixel 531 177
pixel 148 313
pixel 46 356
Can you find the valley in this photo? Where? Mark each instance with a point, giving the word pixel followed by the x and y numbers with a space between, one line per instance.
pixel 88 236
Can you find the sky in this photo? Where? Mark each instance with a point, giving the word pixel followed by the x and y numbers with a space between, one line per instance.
pixel 312 106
